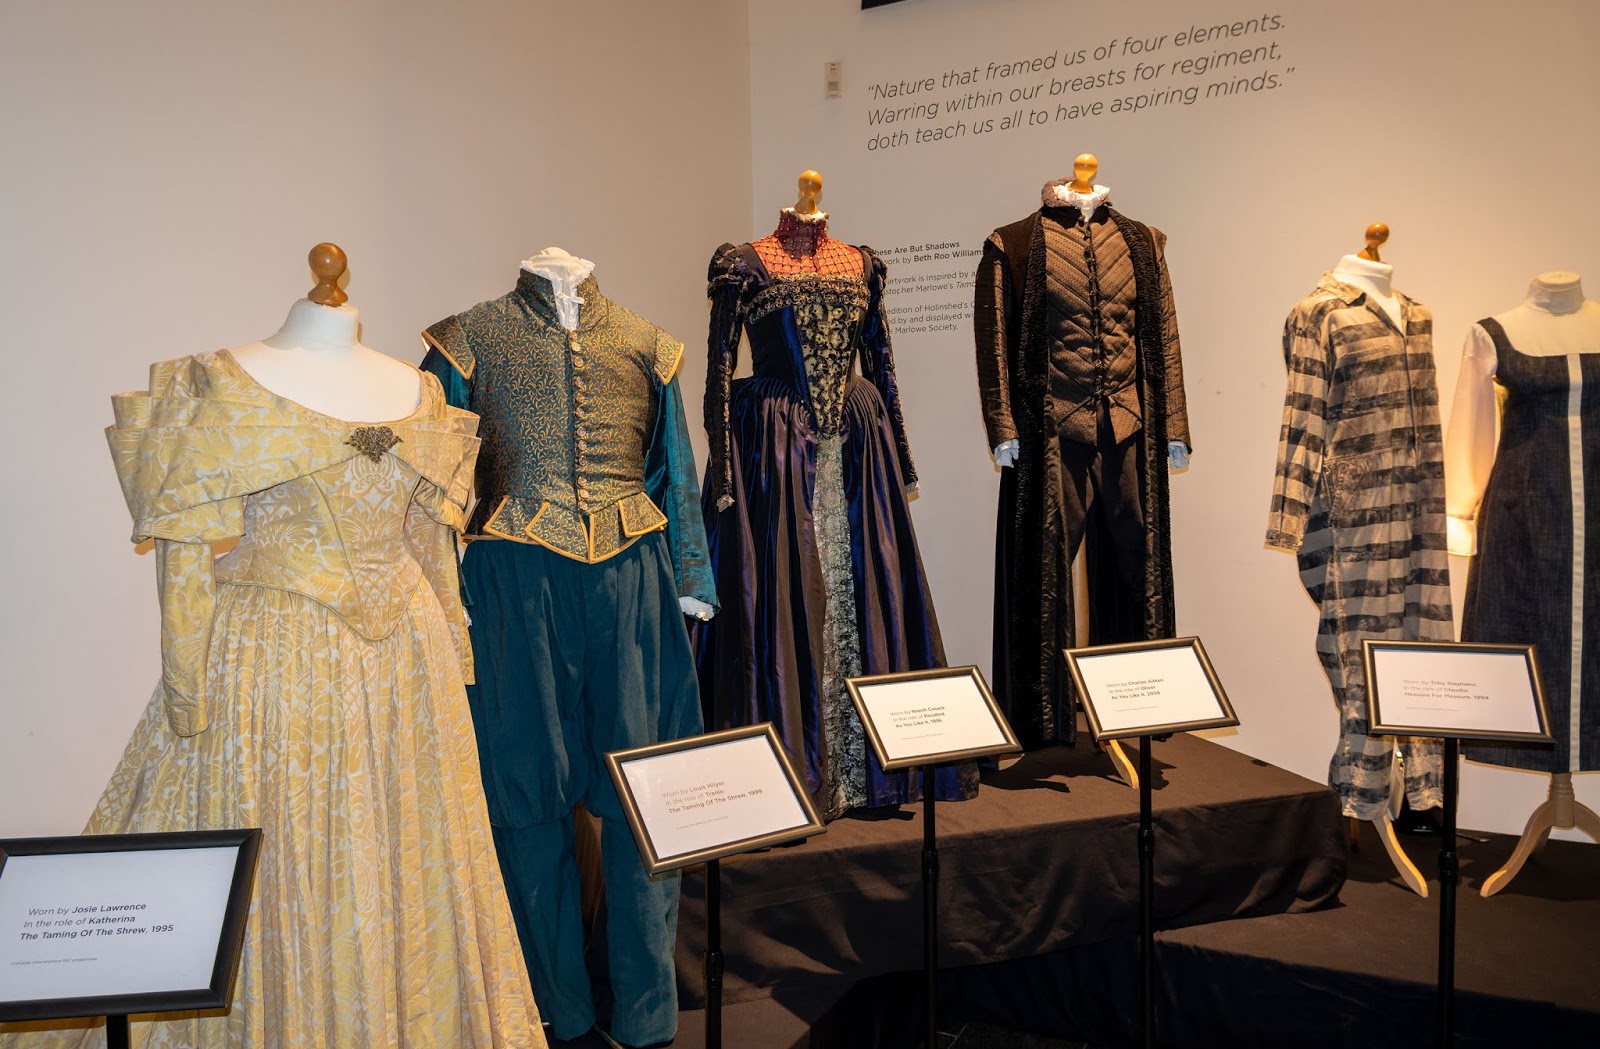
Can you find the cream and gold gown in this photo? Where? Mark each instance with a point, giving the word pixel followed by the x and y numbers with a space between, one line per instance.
pixel 313 686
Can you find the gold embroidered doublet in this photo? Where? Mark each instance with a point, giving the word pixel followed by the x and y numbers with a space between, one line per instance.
pixel 567 417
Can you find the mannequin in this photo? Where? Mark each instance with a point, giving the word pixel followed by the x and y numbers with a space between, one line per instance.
pixel 1080 381
pixel 317 361
pixel 565 272
pixel 1546 409
pixel 1085 195
pixel 585 545
pixel 1358 499
pixel 313 684
pixel 806 506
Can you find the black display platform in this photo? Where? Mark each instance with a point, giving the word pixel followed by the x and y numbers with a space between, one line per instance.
pixel 1044 858
pixel 1357 974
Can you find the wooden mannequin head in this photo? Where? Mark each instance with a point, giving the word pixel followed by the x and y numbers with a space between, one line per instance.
pixel 1084 169
pixel 328 263
pixel 1377 234
pixel 810 190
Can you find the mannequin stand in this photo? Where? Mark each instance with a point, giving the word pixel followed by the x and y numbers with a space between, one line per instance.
pixel 1120 759
pixel 1561 811
pixel 1410 876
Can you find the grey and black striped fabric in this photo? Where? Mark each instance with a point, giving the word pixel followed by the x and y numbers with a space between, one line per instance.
pixel 1359 497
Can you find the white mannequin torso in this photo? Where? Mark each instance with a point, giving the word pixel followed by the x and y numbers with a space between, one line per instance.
pixel 1554 320
pixel 316 361
pixel 1374 278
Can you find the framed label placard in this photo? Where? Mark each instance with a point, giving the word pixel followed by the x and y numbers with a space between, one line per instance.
pixel 1455 690
pixel 702 798
pixel 930 717
pixel 1149 688
pixel 114 924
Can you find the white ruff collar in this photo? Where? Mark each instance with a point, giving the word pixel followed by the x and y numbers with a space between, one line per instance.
pixel 564 272
pixel 1057 193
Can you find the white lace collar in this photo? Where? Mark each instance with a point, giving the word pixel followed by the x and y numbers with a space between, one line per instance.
pixel 1058 193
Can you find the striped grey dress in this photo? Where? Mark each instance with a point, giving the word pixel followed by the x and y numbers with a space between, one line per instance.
pixel 1359 497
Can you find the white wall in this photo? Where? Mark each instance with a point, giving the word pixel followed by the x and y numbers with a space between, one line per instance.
pixel 168 166
pixel 1467 128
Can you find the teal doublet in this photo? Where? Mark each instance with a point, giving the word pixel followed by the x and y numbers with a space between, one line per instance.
pixel 587 532
pixel 583 431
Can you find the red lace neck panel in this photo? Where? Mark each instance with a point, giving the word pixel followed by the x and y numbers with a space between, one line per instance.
pixel 802 245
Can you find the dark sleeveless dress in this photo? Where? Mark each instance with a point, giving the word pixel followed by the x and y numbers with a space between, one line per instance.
pixel 1536 579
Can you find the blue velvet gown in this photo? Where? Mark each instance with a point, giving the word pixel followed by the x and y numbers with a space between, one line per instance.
pixel 810 531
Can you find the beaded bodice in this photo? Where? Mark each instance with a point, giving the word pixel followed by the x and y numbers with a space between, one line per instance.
pixel 827 317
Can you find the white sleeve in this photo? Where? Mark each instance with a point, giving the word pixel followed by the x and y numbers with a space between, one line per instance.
pixel 1469 446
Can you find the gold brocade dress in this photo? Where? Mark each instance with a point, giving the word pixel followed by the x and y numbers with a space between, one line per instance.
pixel 313 686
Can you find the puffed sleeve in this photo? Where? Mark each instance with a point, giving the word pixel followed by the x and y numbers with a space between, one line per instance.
pixel 181 482
pixel 877 362
pixel 1177 403
pixel 992 299
pixel 670 481
pixel 725 285
pixel 1302 437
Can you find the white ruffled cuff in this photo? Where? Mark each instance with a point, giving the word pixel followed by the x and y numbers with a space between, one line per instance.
pixel 696 609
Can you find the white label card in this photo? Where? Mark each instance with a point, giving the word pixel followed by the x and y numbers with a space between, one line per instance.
pixel 926 716
pixel 88 924
pixel 1455 689
pixel 1148 688
pixel 707 797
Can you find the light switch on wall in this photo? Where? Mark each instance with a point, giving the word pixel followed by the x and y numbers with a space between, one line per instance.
pixel 833 80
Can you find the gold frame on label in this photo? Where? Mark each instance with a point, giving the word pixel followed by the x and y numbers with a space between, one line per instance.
pixel 1377 727
pixel 1226 718
pixel 855 684
pixel 654 862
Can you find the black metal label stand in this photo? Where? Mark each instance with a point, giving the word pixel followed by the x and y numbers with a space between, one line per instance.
pixel 713 954
pixel 1449 878
pixel 1147 911
pixel 1497 695
pixel 876 695
pixel 117 1032
pixel 752 755
pixel 930 911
